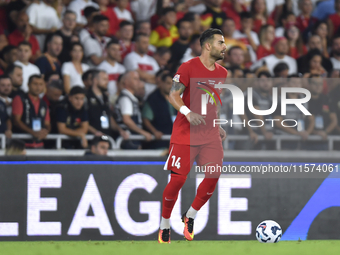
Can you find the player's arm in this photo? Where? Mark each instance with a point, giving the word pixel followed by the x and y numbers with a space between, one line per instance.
pixel 223 133
pixel 176 101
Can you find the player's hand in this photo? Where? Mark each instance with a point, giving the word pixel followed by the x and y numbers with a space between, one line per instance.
pixel 195 119
pixel 223 134
pixel 158 135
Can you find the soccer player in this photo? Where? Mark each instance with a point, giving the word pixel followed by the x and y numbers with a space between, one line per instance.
pixel 194 137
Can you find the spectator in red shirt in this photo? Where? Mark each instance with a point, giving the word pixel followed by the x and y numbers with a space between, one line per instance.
pixel 125 35
pixel 23 32
pixel 295 42
pixel 267 36
pixel 258 11
pixel 305 18
pixel 31 114
pixel 110 14
pixel 233 9
pixel 334 20
pixel 321 29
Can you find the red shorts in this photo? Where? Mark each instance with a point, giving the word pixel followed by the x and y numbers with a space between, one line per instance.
pixel 182 156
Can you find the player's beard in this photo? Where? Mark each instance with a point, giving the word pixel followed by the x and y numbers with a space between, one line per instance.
pixel 217 55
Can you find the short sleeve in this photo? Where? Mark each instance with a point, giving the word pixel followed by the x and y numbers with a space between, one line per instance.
pixel 183 74
pixel 32 14
pixel 90 47
pixel 65 70
pixel 130 63
pixel 48 117
pixel 147 112
pixel 17 106
pixel 126 106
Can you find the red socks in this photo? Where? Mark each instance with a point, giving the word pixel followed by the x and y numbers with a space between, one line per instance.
pixel 170 193
pixel 204 192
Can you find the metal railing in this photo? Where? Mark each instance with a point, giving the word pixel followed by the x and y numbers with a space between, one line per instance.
pixel 276 138
pixel 57 137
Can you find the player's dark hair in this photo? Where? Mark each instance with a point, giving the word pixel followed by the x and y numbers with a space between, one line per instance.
pixel 209 34
pixel 32 77
pixel 25 43
pixel 99 18
pixel 245 15
pixel 125 23
pixel 10 69
pixel 233 48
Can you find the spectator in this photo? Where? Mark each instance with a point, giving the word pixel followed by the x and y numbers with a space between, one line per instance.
pixel 166 33
pixel 162 56
pixel 66 32
pixel 274 9
pixel 127 110
pixel 31 114
pixel 143 27
pixel 321 29
pixel 323 9
pixel 94 45
pixel 305 123
pixel 288 17
pixel 324 114
pixel 143 10
pixel 259 14
pixel 52 99
pixel 9 56
pixel 112 67
pixel 87 78
pixel 213 16
pixel 23 32
pixel 334 20
pixel 232 10
pixel 267 36
pixel 100 116
pixel 145 65
pixel 49 61
pixel 194 49
pixel 158 113
pixel 99 146
pixel 14 72
pixel 111 15
pixel 126 35
pixel 262 100
pixel 296 46
pixel 314 60
pixel 72 118
pixel 73 70
pixel 89 13
pixel 280 46
pixel 78 7
pixel 52 76
pixel 281 70
pixel 245 34
pixel 43 18
pixel 313 43
pixel 236 57
pixel 5 106
pixel 195 20
pixel 179 47
pixel 305 19
pixel 121 11
pixel 15 147
pixel 28 69
pixel 336 53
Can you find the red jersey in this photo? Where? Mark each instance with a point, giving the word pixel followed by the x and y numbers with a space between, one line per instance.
pixel 192 74
pixel 302 22
pixel 258 23
pixel 335 19
pixel 263 52
pixel 16 37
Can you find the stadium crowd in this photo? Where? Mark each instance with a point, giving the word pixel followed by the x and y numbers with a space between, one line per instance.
pixel 105 67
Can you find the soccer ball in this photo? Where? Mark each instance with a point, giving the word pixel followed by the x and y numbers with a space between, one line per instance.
pixel 268 231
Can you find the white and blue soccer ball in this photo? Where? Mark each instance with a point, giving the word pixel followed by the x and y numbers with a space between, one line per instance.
pixel 268 231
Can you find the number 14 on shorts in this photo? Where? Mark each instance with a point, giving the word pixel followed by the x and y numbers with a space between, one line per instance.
pixel 176 163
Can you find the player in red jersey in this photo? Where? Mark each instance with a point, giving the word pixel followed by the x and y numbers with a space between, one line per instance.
pixel 194 137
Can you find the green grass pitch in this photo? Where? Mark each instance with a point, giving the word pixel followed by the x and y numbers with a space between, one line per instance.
pixel 175 248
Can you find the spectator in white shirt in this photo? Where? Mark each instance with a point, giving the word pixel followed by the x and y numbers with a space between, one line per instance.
pixel 121 11
pixel 281 48
pixel 72 71
pixel 113 68
pixel 44 19
pixel 78 7
pixel 94 45
pixel 336 53
pixel 144 9
pixel 277 6
pixel 194 49
pixel 145 65
pixel 28 69
pixel 246 35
